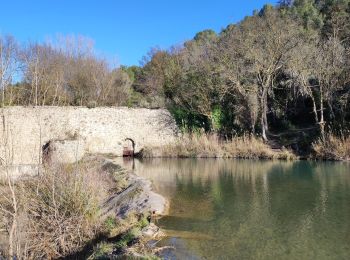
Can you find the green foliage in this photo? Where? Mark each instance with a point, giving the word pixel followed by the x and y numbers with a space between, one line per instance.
pixel 205 36
pixel 143 222
pixel 266 8
pixel 217 117
pixel 189 121
pixel 216 82
pixel 309 13
pixel 127 238
pixel 134 99
pixel 132 71
pixel 110 223
pixel 285 66
pixel 102 250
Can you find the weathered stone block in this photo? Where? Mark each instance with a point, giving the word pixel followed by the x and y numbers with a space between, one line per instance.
pixel 65 151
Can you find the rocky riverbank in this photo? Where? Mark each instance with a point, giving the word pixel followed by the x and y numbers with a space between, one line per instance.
pixel 128 215
pixel 87 210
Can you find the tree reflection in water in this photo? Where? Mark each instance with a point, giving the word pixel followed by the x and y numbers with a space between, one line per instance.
pixel 242 209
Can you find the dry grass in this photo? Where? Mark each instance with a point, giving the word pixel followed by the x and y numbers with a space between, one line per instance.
pixel 60 213
pixel 211 146
pixel 60 210
pixel 332 148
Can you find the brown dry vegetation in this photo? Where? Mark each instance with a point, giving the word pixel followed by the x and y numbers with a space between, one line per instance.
pixel 332 148
pixel 61 213
pixel 211 146
pixel 58 211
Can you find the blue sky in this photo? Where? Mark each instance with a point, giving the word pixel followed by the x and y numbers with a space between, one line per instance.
pixel 125 30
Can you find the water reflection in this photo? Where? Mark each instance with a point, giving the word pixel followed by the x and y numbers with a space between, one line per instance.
pixel 241 209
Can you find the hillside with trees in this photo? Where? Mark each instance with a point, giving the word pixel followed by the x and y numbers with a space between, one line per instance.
pixel 281 73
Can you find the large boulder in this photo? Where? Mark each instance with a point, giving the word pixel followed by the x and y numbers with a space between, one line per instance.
pixel 63 151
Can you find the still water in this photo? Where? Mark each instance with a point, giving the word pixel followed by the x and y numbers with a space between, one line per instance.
pixel 241 209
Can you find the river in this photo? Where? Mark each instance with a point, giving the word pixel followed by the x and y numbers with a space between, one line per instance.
pixel 246 209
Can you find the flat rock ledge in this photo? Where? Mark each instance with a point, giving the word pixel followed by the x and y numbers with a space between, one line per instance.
pixel 137 197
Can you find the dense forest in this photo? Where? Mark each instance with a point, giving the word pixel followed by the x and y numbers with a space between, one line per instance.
pixel 284 68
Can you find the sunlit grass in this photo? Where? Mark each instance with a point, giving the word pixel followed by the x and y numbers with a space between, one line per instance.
pixel 211 146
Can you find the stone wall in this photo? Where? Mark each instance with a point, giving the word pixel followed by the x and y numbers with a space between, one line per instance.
pixel 24 131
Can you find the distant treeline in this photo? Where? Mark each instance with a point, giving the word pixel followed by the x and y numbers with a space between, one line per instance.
pixel 282 67
pixel 65 71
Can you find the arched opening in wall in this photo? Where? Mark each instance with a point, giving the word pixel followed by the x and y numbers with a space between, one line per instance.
pixel 128 148
pixel 46 153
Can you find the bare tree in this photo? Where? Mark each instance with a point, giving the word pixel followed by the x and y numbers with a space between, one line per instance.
pixel 9 206
pixel 318 67
pixel 8 62
pixel 262 46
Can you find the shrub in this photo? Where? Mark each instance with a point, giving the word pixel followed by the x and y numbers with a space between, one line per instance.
pixel 102 250
pixel 62 208
pixel 332 147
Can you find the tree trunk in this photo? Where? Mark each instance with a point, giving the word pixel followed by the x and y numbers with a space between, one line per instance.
pixel 3 96
pixel 332 115
pixel 263 128
pixel 314 108
pixel 12 237
pixel 263 120
pixel 265 114
pixel 55 96
pixel 321 123
pixel 252 127
pixel 13 228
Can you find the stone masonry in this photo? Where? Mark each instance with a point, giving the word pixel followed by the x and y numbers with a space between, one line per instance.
pixel 25 132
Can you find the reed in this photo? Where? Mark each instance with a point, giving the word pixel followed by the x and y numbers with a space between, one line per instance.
pixel 212 146
pixel 332 147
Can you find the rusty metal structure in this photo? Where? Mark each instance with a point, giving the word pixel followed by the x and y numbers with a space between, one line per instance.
pixel 129 150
